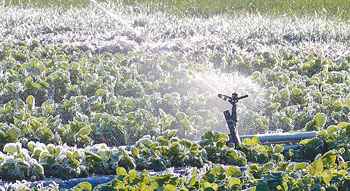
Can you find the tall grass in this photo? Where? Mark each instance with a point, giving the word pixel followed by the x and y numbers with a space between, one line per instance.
pixel 331 8
pixel 140 30
pixel 64 4
pixel 269 7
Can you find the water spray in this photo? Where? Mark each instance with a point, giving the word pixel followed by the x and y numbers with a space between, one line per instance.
pixel 205 81
pixel 104 9
pixel 110 13
pixel 231 118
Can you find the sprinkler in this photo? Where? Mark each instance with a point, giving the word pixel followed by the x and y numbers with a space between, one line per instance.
pixel 231 119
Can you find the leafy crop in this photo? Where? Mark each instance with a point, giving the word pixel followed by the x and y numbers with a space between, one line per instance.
pixel 302 97
pixel 335 137
pixel 258 153
pixel 76 85
pixel 274 170
pixel 323 173
pixel 37 160
pixel 62 95
pixel 57 100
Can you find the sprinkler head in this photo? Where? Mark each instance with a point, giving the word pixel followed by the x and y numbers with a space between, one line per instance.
pixel 232 100
pixel 224 97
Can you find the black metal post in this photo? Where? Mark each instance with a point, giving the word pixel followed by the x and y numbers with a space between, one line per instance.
pixel 231 119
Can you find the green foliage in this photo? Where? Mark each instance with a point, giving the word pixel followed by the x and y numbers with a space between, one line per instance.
pixel 207 8
pixel 60 107
pixel 331 142
pixel 154 154
pixel 278 176
pixel 80 99
pixel 215 145
pixel 317 123
pixel 302 97
pixel 256 152
pixel 59 94
pixel 327 170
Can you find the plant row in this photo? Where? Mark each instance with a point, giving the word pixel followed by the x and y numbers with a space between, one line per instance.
pixel 58 94
pixel 326 172
pixel 37 161
pixel 298 88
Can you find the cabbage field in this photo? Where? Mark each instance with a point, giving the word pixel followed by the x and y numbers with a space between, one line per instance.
pixel 129 89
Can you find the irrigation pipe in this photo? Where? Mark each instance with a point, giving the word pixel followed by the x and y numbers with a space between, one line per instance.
pixel 67 184
pixel 282 137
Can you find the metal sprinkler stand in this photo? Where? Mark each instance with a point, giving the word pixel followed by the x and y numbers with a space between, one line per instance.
pixel 231 119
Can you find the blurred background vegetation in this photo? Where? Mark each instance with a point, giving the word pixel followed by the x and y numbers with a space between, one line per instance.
pixel 330 8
